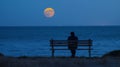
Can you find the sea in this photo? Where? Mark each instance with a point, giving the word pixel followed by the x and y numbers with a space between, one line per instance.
pixel 35 40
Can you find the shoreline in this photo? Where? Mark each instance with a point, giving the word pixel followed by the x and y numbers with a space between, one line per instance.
pixel 111 59
pixel 59 62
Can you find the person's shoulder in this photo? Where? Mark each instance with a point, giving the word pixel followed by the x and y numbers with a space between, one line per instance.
pixel 69 37
pixel 76 37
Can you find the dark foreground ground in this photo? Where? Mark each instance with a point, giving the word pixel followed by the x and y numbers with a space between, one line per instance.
pixel 111 59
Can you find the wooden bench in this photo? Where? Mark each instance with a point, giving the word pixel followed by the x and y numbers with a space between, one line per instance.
pixel 62 43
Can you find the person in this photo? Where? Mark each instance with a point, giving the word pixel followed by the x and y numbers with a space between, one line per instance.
pixel 72 43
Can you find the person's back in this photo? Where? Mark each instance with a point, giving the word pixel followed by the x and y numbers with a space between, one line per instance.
pixel 72 43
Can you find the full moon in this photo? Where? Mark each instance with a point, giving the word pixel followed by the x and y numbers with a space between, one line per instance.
pixel 49 12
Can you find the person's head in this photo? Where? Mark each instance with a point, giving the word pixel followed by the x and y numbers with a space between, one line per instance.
pixel 72 34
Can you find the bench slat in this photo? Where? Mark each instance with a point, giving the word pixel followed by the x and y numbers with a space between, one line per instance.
pixel 68 49
pixel 67 45
pixel 65 42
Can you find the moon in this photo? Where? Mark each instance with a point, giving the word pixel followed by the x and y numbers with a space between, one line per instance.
pixel 49 12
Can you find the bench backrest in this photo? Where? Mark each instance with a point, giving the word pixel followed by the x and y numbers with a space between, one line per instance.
pixel 65 42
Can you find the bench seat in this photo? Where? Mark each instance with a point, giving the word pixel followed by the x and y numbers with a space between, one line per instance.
pixel 64 43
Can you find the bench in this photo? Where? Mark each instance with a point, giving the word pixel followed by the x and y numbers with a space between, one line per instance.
pixel 62 43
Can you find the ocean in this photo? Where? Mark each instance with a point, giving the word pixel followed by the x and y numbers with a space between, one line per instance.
pixel 34 40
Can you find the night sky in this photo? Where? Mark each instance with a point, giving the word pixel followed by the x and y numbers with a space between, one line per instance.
pixel 67 12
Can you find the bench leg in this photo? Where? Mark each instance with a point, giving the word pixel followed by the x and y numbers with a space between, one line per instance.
pixel 89 53
pixel 53 53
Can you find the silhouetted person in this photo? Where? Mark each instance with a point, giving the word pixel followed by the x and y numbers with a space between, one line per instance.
pixel 72 43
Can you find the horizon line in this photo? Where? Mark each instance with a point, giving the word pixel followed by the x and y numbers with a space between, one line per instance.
pixel 54 25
